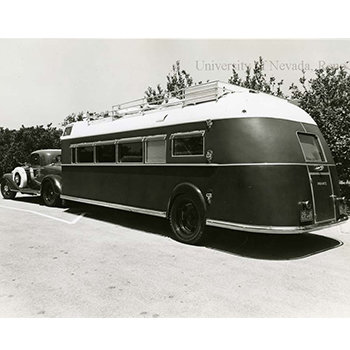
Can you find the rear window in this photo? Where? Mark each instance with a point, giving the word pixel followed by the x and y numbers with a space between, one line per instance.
pixel 34 159
pixel 311 148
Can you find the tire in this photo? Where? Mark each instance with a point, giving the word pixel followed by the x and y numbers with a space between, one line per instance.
pixel 19 177
pixel 5 190
pixel 187 219
pixel 50 197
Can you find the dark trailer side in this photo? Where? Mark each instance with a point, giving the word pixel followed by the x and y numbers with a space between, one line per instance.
pixel 220 155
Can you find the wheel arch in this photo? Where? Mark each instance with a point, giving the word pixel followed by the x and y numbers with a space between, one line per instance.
pixel 8 177
pixel 55 180
pixel 185 188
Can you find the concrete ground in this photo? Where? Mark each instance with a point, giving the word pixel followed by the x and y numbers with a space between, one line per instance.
pixel 55 262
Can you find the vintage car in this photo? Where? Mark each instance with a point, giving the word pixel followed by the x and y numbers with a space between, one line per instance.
pixel 40 176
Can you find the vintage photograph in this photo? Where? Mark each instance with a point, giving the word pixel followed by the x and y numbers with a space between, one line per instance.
pixel 174 178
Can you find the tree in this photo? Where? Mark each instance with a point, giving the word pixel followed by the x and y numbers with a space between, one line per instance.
pixel 155 96
pixel 72 118
pixel 177 80
pixel 16 145
pixel 326 97
pixel 256 79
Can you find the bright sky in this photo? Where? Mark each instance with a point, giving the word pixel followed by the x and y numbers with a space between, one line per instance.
pixel 44 80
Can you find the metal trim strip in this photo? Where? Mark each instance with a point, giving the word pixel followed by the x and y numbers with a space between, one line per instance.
pixel 116 206
pixel 185 134
pixel 155 137
pixel 131 139
pixel 272 229
pixel 193 164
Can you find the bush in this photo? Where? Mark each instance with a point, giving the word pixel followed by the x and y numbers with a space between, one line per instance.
pixel 16 145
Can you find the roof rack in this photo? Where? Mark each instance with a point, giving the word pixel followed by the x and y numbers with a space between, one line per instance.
pixel 211 91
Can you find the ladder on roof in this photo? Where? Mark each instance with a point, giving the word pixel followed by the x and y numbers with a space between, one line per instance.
pixel 192 95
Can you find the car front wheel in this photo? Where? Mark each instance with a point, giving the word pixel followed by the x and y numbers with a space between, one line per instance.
pixel 5 190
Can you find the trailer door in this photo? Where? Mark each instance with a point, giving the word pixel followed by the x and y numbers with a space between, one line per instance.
pixel 320 178
pixel 323 196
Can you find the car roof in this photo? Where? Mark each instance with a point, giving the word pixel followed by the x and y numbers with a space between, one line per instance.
pixel 48 151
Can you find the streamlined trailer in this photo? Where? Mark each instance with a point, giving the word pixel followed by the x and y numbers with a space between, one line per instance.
pixel 217 155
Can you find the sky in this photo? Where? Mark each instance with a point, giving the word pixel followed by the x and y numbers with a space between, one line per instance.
pixel 44 80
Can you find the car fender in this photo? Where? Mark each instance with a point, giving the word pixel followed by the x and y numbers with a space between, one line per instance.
pixel 56 181
pixel 11 183
pixel 186 188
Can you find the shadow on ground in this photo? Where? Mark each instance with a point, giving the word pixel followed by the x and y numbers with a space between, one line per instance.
pixel 245 244
pixel 30 199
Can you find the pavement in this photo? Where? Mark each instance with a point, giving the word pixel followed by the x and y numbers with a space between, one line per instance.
pixel 86 261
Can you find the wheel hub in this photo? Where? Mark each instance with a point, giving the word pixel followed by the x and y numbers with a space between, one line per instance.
pixel 188 218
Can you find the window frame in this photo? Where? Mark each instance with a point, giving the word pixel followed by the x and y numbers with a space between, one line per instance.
pixel 85 144
pixel 323 154
pixel 186 134
pixel 131 140
pixel 103 143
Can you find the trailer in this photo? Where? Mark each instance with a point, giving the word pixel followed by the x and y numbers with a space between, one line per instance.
pixel 215 154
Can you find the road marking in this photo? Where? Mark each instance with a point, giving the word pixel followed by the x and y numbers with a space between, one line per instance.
pixel 46 216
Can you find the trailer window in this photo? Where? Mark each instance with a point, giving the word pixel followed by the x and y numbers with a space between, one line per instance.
pixel 130 152
pixel 156 150
pixel 191 145
pixel 105 153
pixel 311 148
pixel 85 154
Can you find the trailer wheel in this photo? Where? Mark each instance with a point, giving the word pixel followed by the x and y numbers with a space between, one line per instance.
pixel 187 219
pixel 49 195
pixel 5 190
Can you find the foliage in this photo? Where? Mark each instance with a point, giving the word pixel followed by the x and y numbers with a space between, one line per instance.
pixel 256 79
pixel 155 96
pixel 177 80
pixel 77 117
pixel 16 145
pixel 72 118
pixel 326 97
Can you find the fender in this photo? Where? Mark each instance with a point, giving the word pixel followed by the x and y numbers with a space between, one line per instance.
pixel 56 181
pixel 182 188
pixel 11 183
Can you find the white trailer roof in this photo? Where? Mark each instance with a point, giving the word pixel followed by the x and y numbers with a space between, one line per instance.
pixel 236 102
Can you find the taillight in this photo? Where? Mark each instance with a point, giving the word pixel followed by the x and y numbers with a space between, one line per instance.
pixel 306 212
